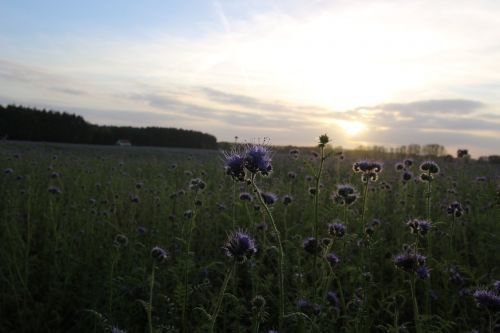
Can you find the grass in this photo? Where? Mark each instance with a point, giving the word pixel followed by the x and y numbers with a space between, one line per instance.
pixel 62 270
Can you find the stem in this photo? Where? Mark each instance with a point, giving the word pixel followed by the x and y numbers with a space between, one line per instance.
pixel 364 206
pixel 234 206
pixel 150 305
pixel 316 219
pixel 281 253
pixel 415 305
pixel 221 297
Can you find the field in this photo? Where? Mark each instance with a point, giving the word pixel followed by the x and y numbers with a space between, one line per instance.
pixel 110 239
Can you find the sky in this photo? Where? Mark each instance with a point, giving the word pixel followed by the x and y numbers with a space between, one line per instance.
pixel 365 72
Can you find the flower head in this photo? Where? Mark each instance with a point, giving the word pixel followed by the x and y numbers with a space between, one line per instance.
pixel 269 197
pixel 487 299
pixel 159 254
pixel 336 229
pixel 235 165
pixel 240 246
pixel 311 245
pixel 258 159
pixel 332 259
pixel 345 194
pixel 429 167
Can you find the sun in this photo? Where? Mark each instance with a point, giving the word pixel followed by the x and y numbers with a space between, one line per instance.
pixel 351 127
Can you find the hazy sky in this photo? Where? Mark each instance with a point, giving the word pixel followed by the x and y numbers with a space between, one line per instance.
pixel 365 72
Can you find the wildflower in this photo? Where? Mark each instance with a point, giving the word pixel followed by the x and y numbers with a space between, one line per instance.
pixel 399 166
pixel 240 246
pixel 332 259
pixel 496 285
pixel 369 170
pixel 234 166
pixel 268 197
pixel 336 229
pixel 287 199
pixel 258 302
pixel 245 196
pixel 406 176
pixel 323 140
pixel 257 159
pixel 455 208
pixel 312 190
pixel 461 153
pixel 332 298
pixel 115 329
pixel 429 167
pixel 54 190
pixel 422 272
pixel 375 223
pixel 310 244
pixel 455 277
pixel 292 175
pixel 419 226
pixel 159 254
pixel 408 162
pixel 120 241
pixel 487 299
pixel 409 261
pixel 345 195
pixel 197 184
pixel 188 214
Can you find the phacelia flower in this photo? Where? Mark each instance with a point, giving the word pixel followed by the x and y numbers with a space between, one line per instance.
pixel 487 299
pixel 287 199
pixel 422 272
pixel 419 226
pixel 345 194
pixel 235 166
pixel 336 229
pixel 311 245
pixel 409 261
pixel 120 241
pixel 258 159
pixel 455 209
pixel 429 167
pixel 240 246
pixel 268 197
pixel 333 299
pixel 332 259
pixel 245 196
pixel 197 184
pixel 159 254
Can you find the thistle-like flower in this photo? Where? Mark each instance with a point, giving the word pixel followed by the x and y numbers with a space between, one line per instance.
pixel 240 246
pixel 258 159
pixel 369 170
pixel 336 229
pixel 487 299
pixel 419 226
pixel 345 194
pixel 409 261
pixel 269 197
pixel 159 254
pixel 429 167
pixel 235 166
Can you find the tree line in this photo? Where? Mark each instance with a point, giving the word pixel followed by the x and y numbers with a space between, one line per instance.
pixel 31 124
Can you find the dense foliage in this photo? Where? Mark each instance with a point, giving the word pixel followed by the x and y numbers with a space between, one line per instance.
pixel 22 123
pixel 102 239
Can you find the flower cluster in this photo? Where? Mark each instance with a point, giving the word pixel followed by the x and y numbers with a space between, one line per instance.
pixel 369 170
pixel 159 254
pixel 345 194
pixel 429 169
pixel 487 299
pixel 336 230
pixel 412 262
pixel 455 209
pixel 240 246
pixel 420 227
pixel 256 158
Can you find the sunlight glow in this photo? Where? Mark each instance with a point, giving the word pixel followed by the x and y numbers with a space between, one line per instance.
pixel 351 127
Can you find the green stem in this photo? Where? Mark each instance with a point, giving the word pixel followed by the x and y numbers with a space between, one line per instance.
pixel 415 305
pixel 316 218
pixel 150 304
pixel 281 253
pixel 221 297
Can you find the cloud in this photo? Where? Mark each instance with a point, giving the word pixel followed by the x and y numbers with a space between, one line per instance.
pixel 441 106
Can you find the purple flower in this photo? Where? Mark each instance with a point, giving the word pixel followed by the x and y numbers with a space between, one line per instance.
pixel 487 299
pixel 332 259
pixel 245 196
pixel 419 226
pixel 422 272
pixel 310 244
pixel 159 254
pixel 333 299
pixel 258 159
pixel 240 246
pixel 345 194
pixel 336 229
pixel 429 167
pixel 287 199
pixel 409 261
pixel 234 166
pixel 268 197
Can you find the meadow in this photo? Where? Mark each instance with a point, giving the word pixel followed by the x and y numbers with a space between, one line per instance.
pixel 129 239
